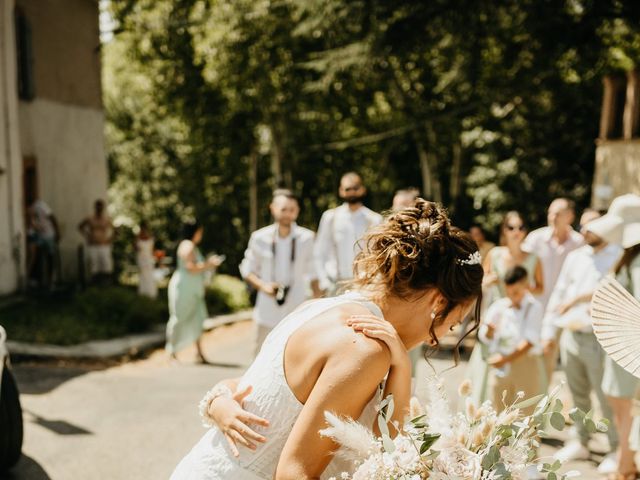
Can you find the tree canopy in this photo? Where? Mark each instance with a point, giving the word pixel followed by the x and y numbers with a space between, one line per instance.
pixel 484 105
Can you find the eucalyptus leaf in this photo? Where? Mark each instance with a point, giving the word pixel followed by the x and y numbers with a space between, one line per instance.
pixel 529 402
pixel 557 421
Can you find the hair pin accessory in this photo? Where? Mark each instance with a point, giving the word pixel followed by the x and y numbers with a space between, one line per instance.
pixel 473 259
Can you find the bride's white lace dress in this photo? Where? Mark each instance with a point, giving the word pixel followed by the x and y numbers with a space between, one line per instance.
pixel 272 399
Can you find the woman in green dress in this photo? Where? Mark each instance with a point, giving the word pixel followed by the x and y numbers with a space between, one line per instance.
pixel 187 307
pixel 499 260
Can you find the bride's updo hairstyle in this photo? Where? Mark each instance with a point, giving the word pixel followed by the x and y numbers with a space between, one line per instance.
pixel 416 249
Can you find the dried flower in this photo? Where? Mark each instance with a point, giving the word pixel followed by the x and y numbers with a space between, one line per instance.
pixel 464 390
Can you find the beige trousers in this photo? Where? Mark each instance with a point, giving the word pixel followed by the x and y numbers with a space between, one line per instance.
pixel 523 375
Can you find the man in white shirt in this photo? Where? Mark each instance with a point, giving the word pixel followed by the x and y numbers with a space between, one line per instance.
pixel 581 354
pixel 552 244
pixel 279 264
pixel 339 232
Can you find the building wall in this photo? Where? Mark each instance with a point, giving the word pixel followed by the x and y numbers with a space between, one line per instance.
pixel 11 221
pixel 67 142
pixel 62 127
pixel 66 50
pixel 617 170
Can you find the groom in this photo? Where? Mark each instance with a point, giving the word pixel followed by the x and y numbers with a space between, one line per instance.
pixel 277 263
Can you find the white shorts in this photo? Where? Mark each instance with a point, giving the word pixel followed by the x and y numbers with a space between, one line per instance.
pixel 100 259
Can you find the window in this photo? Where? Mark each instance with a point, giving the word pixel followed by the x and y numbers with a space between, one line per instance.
pixel 24 56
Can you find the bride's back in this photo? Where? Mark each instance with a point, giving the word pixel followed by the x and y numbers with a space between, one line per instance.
pixel 287 368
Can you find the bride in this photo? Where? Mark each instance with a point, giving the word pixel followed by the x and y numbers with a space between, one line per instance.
pixel 416 278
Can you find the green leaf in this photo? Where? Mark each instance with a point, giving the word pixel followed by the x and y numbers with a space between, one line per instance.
pixel 557 421
pixel 429 439
pixel 382 425
pixel 603 425
pixel 418 419
pixel 576 415
pixel 491 458
pixel 529 402
pixel 388 444
pixel 557 406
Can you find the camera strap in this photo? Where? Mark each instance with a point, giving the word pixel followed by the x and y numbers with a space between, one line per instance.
pixel 293 255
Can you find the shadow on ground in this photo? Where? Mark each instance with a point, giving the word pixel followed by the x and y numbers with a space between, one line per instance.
pixel 26 469
pixel 40 378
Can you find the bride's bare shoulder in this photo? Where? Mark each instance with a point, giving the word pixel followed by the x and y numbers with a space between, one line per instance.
pixel 330 335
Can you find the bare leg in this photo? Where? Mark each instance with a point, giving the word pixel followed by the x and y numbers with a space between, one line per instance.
pixel 622 417
pixel 200 354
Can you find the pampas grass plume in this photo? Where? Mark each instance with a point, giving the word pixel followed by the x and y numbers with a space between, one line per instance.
pixel 350 434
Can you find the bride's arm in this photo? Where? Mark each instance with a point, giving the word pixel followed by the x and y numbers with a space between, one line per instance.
pixel 232 420
pixel 348 381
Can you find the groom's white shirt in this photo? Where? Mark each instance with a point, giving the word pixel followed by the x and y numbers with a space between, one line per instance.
pixel 259 259
pixel 337 245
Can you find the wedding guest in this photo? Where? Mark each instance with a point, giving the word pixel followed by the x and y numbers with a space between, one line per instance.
pixel 187 307
pixel 479 236
pixel 404 198
pixel 552 244
pixel 43 237
pixel 279 264
pixel 511 331
pixel 581 355
pixel 97 229
pixel 509 254
pixel 147 285
pixel 498 261
pixel 339 234
pixel 623 221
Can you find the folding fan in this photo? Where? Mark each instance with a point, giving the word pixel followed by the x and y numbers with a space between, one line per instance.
pixel 616 323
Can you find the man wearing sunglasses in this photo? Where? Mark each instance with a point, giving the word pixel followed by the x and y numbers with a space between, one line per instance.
pixel 339 232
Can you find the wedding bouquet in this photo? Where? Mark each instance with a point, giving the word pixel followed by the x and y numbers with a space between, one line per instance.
pixel 437 444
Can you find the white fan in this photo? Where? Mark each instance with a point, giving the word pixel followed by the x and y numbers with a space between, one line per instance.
pixel 616 323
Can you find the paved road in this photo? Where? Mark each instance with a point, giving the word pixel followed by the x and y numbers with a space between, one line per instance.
pixel 136 420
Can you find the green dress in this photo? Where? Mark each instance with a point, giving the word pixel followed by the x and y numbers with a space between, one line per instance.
pixel 187 307
pixel 478 369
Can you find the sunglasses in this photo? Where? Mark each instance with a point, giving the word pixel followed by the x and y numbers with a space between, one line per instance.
pixel 511 228
pixel 353 189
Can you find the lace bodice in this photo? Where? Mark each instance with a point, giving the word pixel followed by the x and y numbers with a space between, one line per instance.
pixel 271 398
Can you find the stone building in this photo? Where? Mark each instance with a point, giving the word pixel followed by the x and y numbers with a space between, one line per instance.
pixel 618 146
pixel 51 124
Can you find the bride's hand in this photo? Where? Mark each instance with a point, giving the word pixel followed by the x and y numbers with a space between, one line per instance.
pixel 233 421
pixel 376 327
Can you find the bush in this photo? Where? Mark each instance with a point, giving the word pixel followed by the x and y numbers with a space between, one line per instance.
pixel 97 313
pixel 226 294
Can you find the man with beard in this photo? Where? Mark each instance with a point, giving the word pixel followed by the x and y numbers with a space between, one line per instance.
pixel 278 263
pixel 581 354
pixel 339 233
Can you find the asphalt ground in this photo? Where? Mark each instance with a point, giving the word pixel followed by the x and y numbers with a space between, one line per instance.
pixel 136 419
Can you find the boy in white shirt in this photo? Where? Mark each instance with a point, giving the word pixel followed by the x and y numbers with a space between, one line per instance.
pixel 512 332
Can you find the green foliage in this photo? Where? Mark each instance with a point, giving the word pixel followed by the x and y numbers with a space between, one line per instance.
pixel 483 105
pixel 95 314
pixel 227 294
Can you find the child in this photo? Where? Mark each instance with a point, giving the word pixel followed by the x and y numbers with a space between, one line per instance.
pixel 512 333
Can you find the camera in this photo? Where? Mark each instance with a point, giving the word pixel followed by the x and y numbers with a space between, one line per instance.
pixel 281 294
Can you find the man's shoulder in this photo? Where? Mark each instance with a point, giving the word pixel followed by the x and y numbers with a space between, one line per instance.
pixel 304 233
pixel 538 233
pixel 263 233
pixel 371 214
